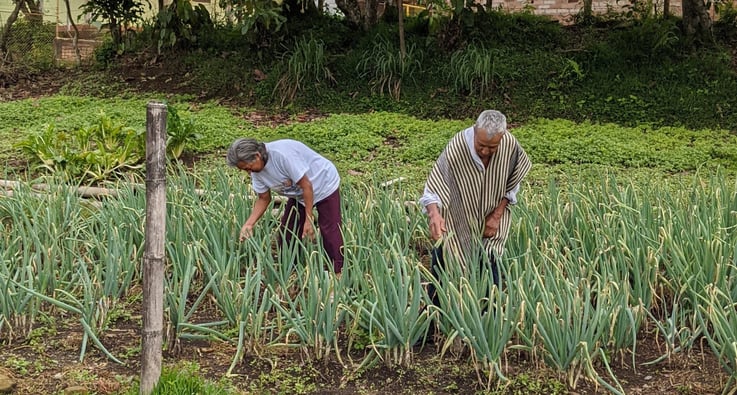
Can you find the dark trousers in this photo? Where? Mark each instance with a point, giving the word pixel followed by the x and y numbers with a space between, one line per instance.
pixel 438 262
pixel 328 220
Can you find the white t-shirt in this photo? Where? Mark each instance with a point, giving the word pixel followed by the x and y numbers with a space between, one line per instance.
pixel 289 161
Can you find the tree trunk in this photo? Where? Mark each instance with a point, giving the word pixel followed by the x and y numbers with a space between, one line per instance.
pixel 365 16
pixel 32 10
pixel 371 14
pixel 696 19
pixel 588 9
pixel 115 33
pixel 6 30
pixel 154 248
pixel 400 23
pixel 77 55
pixel 666 9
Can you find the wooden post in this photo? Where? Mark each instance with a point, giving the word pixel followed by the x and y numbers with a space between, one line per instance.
pixel 154 248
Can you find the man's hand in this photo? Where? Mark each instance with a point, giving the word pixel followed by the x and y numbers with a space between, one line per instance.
pixel 246 231
pixel 437 222
pixel 308 231
pixel 491 226
pixel 437 227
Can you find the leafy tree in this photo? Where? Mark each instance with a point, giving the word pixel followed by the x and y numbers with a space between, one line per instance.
pixel 254 15
pixel 182 25
pixel 117 13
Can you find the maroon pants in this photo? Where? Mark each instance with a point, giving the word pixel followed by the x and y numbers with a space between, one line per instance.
pixel 328 221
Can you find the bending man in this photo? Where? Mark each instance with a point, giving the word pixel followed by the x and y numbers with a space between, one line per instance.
pixel 469 191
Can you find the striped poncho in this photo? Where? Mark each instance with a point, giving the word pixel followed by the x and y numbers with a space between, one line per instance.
pixel 468 194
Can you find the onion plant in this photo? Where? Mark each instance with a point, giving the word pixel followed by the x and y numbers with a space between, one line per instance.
pixel 313 313
pixel 91 313
pixel 588 264
pixel 252 321
pixel 571 319
pixel 393 304
pixel 476 311
pixel 180 286
pixel 718 313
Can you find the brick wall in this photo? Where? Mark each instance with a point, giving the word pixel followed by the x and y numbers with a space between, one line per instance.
pixel 564 10
pixel 89 38
pixel 64 49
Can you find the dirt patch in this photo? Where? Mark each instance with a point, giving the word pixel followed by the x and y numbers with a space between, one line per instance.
pixel 48 362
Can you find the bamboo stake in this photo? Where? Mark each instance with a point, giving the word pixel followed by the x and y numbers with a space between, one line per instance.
pixel 154 252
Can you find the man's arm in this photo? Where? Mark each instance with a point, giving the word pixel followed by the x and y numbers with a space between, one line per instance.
pixel 436 221
pixel 512 195
pixel 429 197
pixel 493 220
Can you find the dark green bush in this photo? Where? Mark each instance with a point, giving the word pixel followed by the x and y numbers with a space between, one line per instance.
pixel 30 44
pixel 521 31
pixel 649 40
pixel 725 27
pixel 180 25
pixel 625 67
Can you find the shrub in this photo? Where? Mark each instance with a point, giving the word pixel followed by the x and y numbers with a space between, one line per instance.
pixel 31 44
pixel 306 64
pixel 472 70
pixel 385 68
pixel 95 153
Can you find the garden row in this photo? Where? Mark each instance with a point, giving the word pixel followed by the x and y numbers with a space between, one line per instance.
pixel 588 265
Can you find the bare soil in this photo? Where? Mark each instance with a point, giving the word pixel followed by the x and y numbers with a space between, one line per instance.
pixel 48 361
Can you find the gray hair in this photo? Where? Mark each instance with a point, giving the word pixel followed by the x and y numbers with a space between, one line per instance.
pixel 493 122
pixel 245 150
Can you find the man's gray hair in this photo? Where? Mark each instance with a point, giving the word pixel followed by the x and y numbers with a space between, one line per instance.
pixel 245 150
pixel 493 122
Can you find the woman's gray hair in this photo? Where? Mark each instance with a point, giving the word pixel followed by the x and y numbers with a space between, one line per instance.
pixel 493 122
pixel 245 150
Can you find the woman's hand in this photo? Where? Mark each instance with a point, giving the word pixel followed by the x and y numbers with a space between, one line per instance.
pixel 246 231
pixel 308 231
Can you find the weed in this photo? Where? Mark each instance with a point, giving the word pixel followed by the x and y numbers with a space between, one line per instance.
pixel 181 134
pixel 387 69
pixel 18 364
pixel 306 65
pixel 292 380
